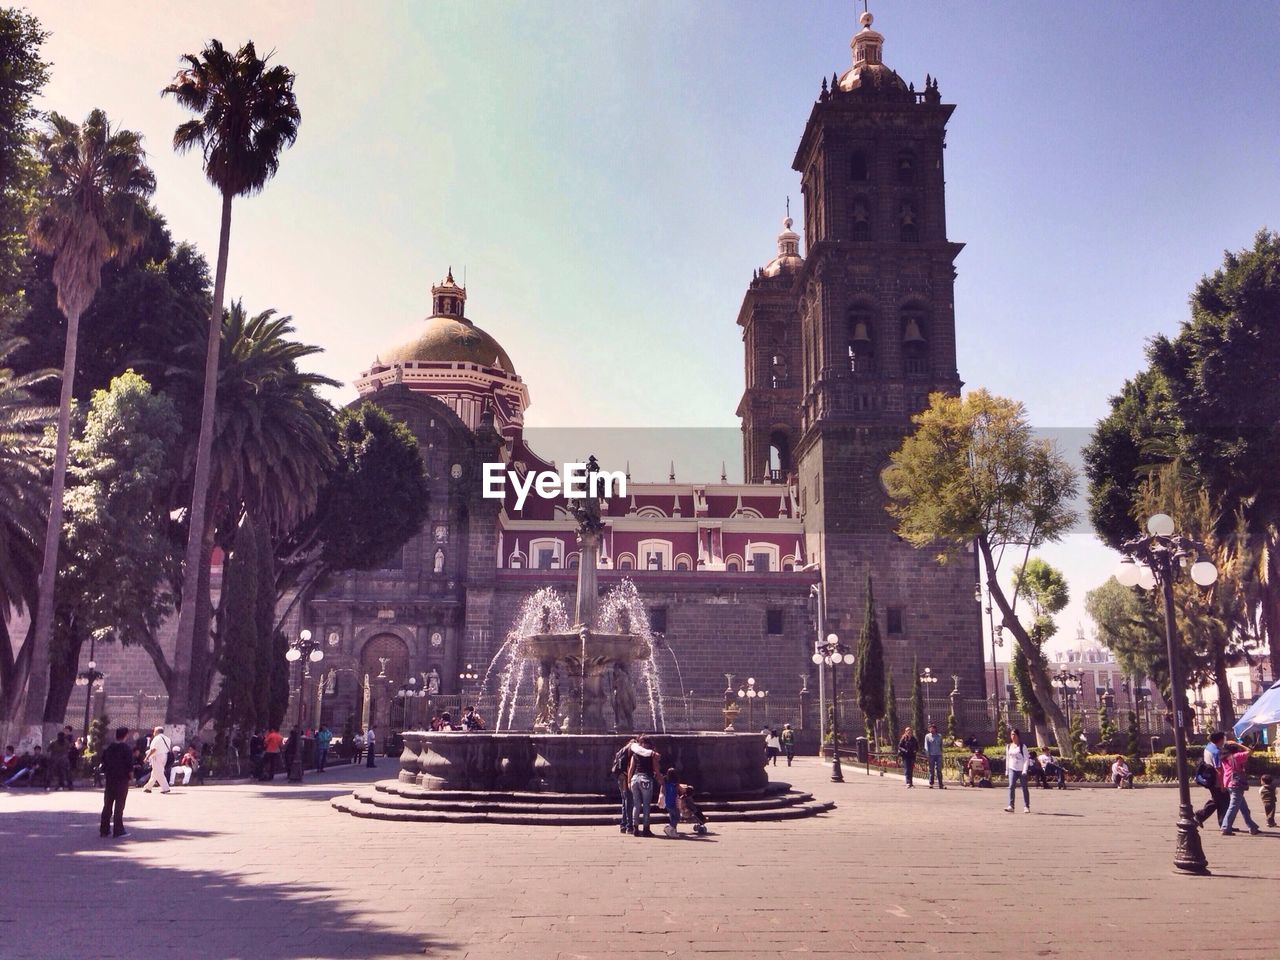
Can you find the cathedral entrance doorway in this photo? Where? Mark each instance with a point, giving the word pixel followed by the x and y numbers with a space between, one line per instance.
pixel 384 668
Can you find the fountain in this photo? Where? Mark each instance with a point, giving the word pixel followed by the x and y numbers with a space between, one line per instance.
pixel 584 710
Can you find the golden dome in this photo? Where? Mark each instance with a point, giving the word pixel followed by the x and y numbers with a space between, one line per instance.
pixel 451 340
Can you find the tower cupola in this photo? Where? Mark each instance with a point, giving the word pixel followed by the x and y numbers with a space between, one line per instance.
pixel 788 259
pixel 448 299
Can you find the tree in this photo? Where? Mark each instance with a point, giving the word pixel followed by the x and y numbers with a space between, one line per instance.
pixel 972 472
pixel 868 677
pixel 238 628
pixel 1107 732
pixel 117 552
pixel 90 209
pixel 917 699
pixel 1077 747
pixel 375 499
pixel 247 116
pixel 274 449
pixel 22 79
pixel 1220 371
pixel 1128 628
pixel 1047 594
pixel 24 506
pixel 891 710
pixel 1132 741
pixel 264 625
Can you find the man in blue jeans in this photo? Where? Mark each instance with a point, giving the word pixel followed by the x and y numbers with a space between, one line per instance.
pixel 933 750
pixel 621 764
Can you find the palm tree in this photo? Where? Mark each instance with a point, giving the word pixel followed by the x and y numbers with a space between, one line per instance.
pixel 24 506
pixel 91 208
pixel 247 116
pixel 273 444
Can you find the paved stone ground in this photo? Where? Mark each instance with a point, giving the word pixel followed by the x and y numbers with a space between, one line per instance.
pixel 273 873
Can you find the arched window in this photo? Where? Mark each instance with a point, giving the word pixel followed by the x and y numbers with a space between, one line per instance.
pixel 860 219
pixel 906 167
pixel 909 228
pixel 858 168
pixel 915 346
pixel 860 346
pixel 779 455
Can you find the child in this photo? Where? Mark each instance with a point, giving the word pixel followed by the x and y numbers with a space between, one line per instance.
pixel 671 802
pixel 689 810
pixel 1268 794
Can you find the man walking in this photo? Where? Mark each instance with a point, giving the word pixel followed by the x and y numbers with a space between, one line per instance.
pixel 788 742
pixel 1209 776
pixel 158 757
pixel 370 742
pixel 117 770
pixel 933 751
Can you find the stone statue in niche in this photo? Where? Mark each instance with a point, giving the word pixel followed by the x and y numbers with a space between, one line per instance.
pixel 438 566
pixel 432 680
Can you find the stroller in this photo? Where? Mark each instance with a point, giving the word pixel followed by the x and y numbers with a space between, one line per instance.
pixel 690 811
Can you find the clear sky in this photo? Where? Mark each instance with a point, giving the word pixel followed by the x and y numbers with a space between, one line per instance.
pixel 610 173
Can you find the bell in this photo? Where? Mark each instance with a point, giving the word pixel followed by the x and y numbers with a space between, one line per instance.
pixel 860 333
pixel 912 332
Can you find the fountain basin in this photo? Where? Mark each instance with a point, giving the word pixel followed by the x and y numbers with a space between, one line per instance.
pixel 714 763
pixel 602 647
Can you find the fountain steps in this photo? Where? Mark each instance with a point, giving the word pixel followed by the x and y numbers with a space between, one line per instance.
pixel 392 800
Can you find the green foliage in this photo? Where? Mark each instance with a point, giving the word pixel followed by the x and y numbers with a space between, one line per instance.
pixel 24 496
pixel 113 581
pixel 376 497
pixel 1079 746
pixel 891 711
pixel 917 700
pixel 1107 732
pixel 1133 737
pixel 1020 677
pixel 1127 626
pixel 869 677
pixel 972 469
pixel 100 735
pixel 953 728
pixel 264 626
pixel 238 629
pixel 22 78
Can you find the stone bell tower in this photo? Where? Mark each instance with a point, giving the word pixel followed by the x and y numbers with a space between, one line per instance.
pixel 876 328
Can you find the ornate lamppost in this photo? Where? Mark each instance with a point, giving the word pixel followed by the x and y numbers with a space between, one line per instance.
pixel 928 679
pixel 465 676
pixel 408 695
pixel 996 641
pixel 832 653
pixel 751 694
pixel 87 678
pixel 1154 561
pixel 308 651
pixel 1068 683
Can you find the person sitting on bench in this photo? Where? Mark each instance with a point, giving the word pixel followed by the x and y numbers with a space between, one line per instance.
pixel 1052 768
pixel 1121 775
pixel 978 768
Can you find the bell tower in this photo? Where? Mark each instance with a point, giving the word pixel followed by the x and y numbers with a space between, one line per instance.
pixel 875 309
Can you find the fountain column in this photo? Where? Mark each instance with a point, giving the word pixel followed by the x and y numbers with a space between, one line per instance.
pixel 584 611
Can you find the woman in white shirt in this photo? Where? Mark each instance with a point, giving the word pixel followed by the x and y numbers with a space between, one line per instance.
pixel 1015 766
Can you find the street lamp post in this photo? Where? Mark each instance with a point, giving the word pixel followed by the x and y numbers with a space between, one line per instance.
pixel 1067 683
pixel 751 694
pixel 408 695
pixel 87 678
pixel 465 676
pixel 928 679
pixel 996 641
pixel 831 652
pixel 1156 560
pixel 308 651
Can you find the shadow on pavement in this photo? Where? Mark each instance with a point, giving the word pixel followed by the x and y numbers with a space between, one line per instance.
pixel 164 911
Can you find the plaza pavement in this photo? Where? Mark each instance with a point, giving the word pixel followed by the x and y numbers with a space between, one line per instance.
pixel 274 873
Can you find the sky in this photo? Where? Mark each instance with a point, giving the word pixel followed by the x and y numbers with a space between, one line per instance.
pixel 608 174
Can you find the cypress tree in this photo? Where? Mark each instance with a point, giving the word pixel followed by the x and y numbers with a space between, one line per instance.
pixel 891 710
pixel 868 676
pixel 917 700
pixel 264 626
pixel 238 626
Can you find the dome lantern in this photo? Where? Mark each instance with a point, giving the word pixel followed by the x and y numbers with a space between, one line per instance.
pixel 448 299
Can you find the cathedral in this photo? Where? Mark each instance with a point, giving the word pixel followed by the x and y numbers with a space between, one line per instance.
pixel 843 342
pixel 845 331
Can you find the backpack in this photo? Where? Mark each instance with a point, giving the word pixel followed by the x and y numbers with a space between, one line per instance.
pixel 1206 775
pixel 620 760
pixel 788 737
